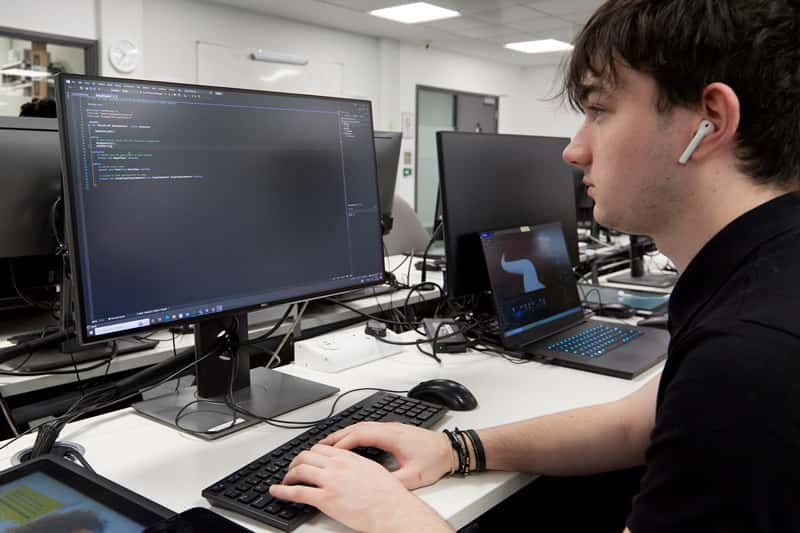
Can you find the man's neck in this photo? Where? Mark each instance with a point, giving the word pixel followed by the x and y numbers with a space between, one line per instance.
pixel 707 213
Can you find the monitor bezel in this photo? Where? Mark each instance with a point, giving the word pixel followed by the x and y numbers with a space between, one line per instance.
pixel 71 229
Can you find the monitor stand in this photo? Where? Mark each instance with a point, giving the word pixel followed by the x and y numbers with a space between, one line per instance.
pixel 201 410
pixel 637 275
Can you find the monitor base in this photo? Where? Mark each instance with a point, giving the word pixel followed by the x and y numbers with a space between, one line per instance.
pixel 269 395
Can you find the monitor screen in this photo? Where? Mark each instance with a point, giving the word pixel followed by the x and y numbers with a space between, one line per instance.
pixel 491 182
pixel 30 181
pixel 186 202
pixel 531 277
pixel 584 205
pixel 387 155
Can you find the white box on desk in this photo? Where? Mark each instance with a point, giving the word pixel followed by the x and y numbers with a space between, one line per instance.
pixel 340 350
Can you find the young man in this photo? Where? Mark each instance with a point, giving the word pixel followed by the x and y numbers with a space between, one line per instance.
pixel 716 85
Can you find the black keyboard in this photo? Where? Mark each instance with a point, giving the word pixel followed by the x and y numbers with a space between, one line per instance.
pixel 595 341
pixel 246 490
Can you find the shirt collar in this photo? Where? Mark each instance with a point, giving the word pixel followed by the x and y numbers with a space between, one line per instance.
pixel 716 262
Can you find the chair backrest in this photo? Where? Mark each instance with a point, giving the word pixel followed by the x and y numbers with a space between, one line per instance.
pixel 407 232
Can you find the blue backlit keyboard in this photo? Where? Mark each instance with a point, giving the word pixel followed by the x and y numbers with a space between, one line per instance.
pixel 595 341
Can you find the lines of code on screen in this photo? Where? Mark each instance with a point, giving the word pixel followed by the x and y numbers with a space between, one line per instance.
pixel 190 195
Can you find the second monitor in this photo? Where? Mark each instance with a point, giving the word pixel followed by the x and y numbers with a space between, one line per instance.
pixel 495 182
pixel 387 157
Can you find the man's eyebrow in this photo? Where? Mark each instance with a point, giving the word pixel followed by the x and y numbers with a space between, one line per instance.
pixel 594 88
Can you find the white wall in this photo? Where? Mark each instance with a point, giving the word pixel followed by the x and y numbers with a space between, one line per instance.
pixel 73 18
pixel 543 114
pixel 171 29
pixel 404 66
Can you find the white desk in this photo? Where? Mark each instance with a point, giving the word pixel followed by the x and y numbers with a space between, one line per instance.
pixel 172 468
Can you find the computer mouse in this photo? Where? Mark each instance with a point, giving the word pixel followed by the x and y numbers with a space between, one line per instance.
pixel 447 392
pixel 614 310
pixel 656 321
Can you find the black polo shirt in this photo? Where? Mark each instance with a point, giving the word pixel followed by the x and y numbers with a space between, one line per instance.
pixel 724 454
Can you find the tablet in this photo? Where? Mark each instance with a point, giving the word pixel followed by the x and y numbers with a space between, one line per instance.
pixel 50 494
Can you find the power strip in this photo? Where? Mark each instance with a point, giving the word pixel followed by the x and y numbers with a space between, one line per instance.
pixel 340 350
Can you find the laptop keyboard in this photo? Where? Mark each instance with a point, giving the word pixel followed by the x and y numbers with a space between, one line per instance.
pixel 246 490
pixel 595 341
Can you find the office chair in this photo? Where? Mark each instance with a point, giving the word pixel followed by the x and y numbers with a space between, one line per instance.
pixel 407 233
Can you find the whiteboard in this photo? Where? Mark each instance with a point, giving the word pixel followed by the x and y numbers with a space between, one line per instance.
pixel 229 67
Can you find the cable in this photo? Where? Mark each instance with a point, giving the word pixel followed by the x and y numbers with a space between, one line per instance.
pixel 69 417
pixel 419 287
pixel 297 424
pixel 24 297
pixel 400 264
pixel 435 234
pixel 7 416
pixel 427 340
pixel 275 327
pixel 77 456
pixel 367 315
pixel 276 353
pixel 54 226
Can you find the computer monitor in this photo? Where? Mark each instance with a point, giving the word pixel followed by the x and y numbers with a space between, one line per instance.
pixel 194 204
pixel 387 155
pixel 437 217
pixel 494 182
pixel 584 205
pixel 30 181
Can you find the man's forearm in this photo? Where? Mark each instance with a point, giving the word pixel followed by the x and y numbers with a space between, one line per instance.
pixel 577 442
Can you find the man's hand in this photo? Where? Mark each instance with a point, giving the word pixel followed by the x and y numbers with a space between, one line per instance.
pixel 423 456
pixel 356 491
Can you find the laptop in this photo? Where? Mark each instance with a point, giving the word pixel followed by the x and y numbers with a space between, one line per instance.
pixel 539 311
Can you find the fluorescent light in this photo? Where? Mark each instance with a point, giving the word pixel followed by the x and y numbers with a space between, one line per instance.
pixel 273 57
pixel 540 47
pixel 27 73
pixel 414 13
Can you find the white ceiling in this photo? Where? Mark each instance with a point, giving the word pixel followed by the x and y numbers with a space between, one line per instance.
pixel 481 30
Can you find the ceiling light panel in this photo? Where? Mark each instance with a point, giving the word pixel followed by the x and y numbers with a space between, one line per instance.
pixel 415 13
pixel 540 47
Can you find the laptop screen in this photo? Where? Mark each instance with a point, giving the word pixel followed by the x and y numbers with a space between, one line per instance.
pixel 534 288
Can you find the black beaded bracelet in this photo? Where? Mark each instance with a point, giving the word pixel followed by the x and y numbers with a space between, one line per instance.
pixel 480 453
pixel 467 464
pixel 459 448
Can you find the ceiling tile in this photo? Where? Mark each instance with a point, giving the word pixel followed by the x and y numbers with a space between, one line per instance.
pixel 456 24
pixel 485 31
pixel 562 7
pixel 364 6
pixel 541 22
pixel 579 17
pixel 468 7
pixel 511 36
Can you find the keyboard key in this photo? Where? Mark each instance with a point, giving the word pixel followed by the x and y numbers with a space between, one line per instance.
pixel 261 501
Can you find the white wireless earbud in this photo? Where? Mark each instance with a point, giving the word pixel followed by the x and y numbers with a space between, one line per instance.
pixel 705 128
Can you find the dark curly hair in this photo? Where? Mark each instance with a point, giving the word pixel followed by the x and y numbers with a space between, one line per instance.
pixel 753 46
pixel 43 107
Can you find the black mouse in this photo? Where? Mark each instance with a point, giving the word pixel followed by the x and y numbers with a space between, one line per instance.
pixel 449 393
pixel 657 321
pixel 615 310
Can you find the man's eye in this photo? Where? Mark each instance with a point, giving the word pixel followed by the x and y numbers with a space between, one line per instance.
pixel 595 111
